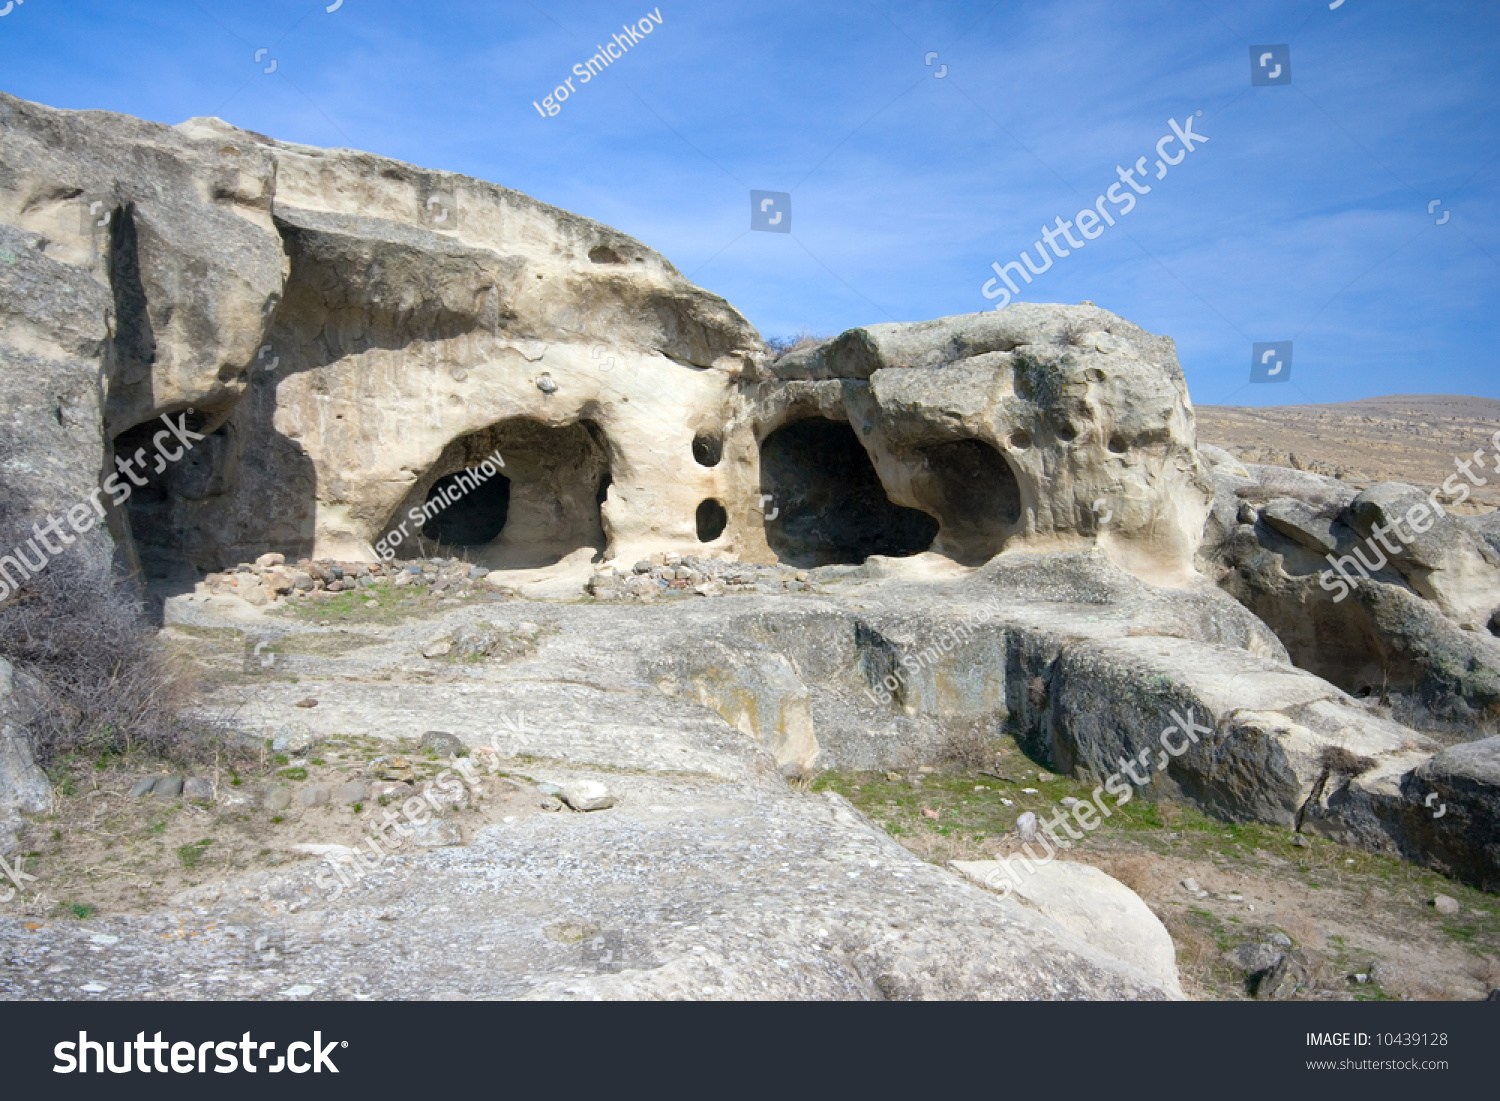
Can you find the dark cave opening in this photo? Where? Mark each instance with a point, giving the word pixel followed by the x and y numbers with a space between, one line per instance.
pixel 471 508
pixel 712 520
pixel 542 502
pixel 824 502
pixel 980 498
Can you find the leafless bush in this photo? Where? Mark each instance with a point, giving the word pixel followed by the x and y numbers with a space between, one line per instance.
pixel 781 345
pixel 106 684
pixel 968 746
pixel 1138 871
pixel 1072 333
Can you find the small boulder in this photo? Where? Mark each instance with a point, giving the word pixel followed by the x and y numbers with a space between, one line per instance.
pixel 168 787
pixel 588 795
pixel 1446 905
pixel 1254 958
pixel 1026 827
pixel 314 795
pixel 393 768
pixel 266 561
pixel 278 799
pixel 352 792
pixel 443 744
pixel 292 738
pixel 198 789
pixel 143 788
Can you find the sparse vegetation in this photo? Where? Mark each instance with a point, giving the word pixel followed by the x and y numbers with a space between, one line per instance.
pixel 106 686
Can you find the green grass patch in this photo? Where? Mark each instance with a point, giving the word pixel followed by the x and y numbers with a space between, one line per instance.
pixel 190 855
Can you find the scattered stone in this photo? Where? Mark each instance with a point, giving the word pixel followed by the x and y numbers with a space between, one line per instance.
pixel 438 647
pixel 1280 940
pixel 1301 842
pixel 1044 777
pixel 1191 886
pixel 1283 980
pixel 551 803
pixel 925 769
pixel 314 795
pixel 198 790
pixel 1445 904
pixel 308 702
pixel 436 834
pixel 927 812
pixel 143 788
pixel 352 792
pixel 392 788
pixel 1254 958
pixel 792 771
pixel 1069 802
pixel 443 744
pixel 292 738
pixel 1026 826
pixel 549 789
pixel 393 768
pixel 168 787
pixel 278 799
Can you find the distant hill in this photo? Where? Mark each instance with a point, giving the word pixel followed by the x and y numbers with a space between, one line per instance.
pixel 1411 438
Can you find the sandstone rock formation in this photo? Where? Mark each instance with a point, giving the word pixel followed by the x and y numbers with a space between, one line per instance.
pixel 1409 620
pixel 998 522
pixel 24 789
pixel 1036 428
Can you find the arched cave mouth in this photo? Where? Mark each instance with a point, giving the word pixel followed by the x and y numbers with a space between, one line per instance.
pixel 977 495
pixel 543 502
pixel 824 502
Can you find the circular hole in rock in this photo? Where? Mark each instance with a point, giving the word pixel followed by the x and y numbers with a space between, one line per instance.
pixel 1067 433
pixel 1020 440
pixel 712 520
pixel 603 254
pixel 1093 374
pixel 1117 445
pixel 707 450
pixel 1495 623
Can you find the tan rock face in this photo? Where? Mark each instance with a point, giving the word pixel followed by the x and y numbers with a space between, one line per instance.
pixel 390 361
pixel 1037 427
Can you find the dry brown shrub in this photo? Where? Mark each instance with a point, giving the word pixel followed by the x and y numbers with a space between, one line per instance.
pixel 1137 871
pixel 106 685
pixel 968 745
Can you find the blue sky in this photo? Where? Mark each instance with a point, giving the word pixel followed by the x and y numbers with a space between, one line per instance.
pixel 1304 217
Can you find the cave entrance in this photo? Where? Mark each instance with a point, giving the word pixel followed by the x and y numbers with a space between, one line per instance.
pixel 169 485
pixel 824 502
pixel 477 512
pixel 977 496
pixel 517 495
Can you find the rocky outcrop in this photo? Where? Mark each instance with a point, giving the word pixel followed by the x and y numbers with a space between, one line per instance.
pixel 354 337
pixel 24 788
pixel 1405 620
pixel 1103 911
pixel 1034 428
